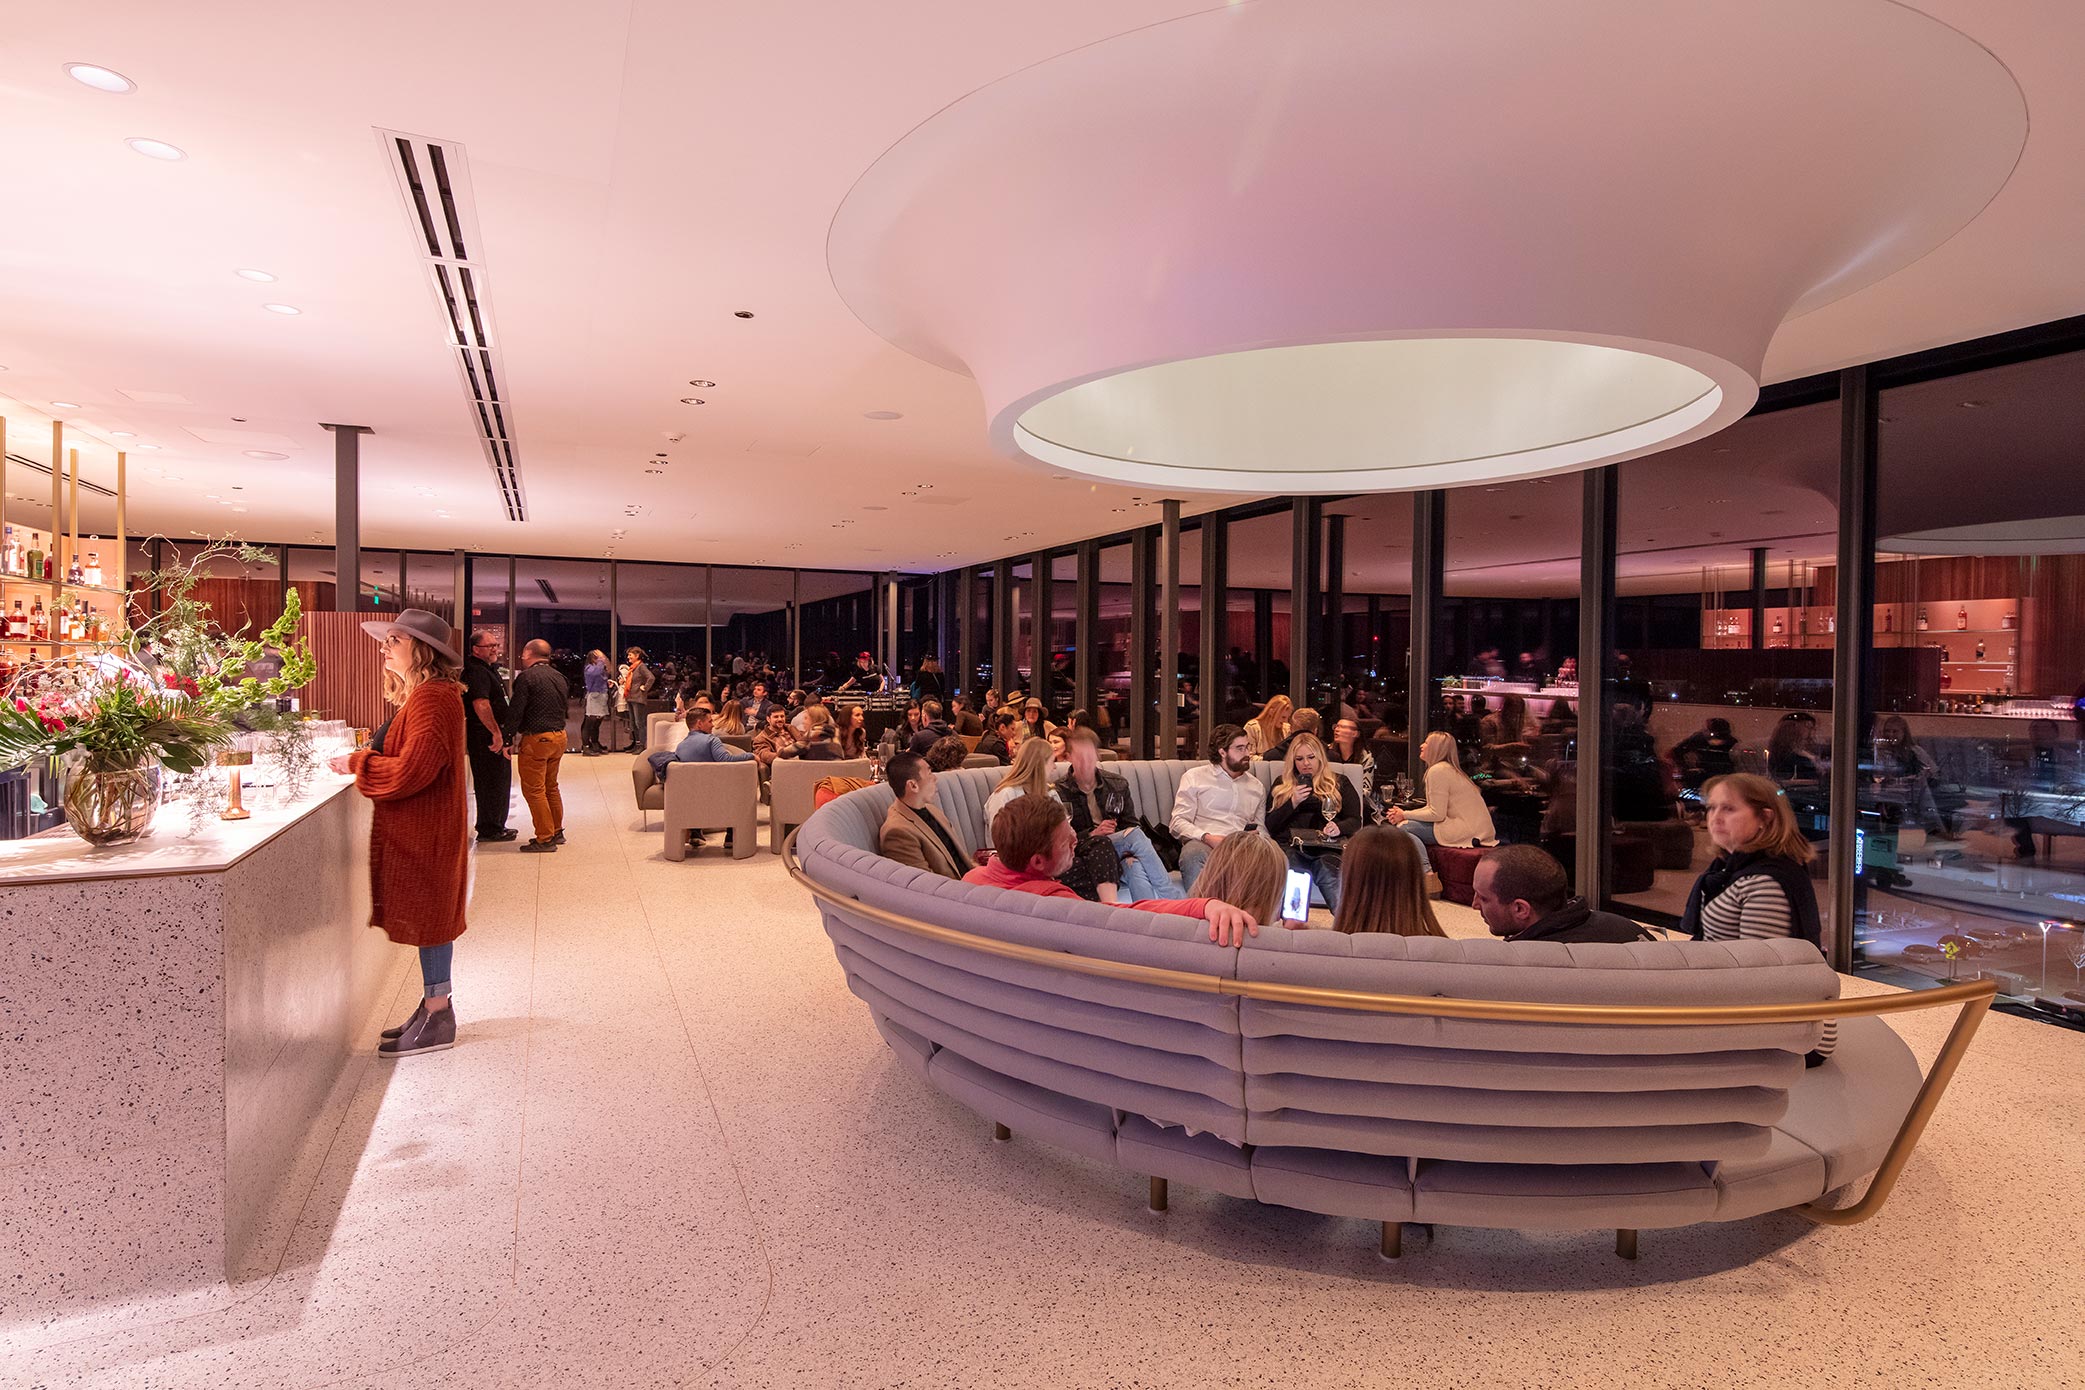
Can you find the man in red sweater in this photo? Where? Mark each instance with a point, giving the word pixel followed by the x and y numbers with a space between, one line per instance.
pixel 1034 832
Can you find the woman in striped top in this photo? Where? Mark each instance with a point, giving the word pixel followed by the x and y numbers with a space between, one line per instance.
pixel 1759 886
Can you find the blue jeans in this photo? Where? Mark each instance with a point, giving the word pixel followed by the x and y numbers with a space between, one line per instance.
pixel 1143 872
pixel 1324 874
pixel 434 968
pixel 1193 855
pixel 1422 831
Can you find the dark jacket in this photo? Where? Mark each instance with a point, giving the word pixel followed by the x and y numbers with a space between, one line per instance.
pixel 1284 816
pixel 1728 869
pixel 542 700
pixel 993 746
pixel 924 739
pixel 821 751
pixel 1577 921
pixel 1109 790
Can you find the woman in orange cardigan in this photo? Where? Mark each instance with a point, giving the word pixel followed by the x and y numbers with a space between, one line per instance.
pixel 419 837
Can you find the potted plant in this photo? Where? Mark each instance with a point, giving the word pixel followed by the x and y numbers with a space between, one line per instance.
pixel 166 696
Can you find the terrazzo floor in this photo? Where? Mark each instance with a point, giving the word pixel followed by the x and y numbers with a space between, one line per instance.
pixel 670 1149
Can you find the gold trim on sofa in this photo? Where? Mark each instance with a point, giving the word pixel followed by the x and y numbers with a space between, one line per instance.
pixel 1975 998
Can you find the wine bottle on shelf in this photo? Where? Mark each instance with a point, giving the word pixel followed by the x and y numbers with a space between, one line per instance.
pixel 1962 618
pixel 10 561
pixel 18 624
pixel 74 574
pixel 1922 619
pixel 61 623
pixel 39 624
pixel 34 569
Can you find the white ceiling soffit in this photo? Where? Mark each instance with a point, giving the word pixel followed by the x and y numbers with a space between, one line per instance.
pixel 434 182
pixel 1335 245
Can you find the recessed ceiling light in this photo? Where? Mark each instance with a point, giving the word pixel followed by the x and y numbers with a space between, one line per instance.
pixel 693 400
pixel 702 385
pixel 282 308
pixel 1974 405
pixel 259 277
pixel 122 434
pixel 66 405
pixel 882 415
pixel 156 149
pixel 873 508
pixel 264 454
pixel 148 446
pixel 238 509
pixel 742 313
pixel 209 497
pixel 101 79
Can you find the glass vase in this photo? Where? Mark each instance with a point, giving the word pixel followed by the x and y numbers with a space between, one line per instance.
pixel 110 805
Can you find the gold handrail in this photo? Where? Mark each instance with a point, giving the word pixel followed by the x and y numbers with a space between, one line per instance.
pixel 1975 998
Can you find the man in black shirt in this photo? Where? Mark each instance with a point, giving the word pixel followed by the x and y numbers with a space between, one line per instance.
pixel 932 728
pixel 1523 896
pixel 485 718
pixel 535 726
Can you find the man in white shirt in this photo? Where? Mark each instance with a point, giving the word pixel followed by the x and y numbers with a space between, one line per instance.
pixel 1222 797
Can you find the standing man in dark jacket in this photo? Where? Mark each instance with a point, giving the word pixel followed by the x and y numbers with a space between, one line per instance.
pixel 1522 895
pixel 485 742
pixel 536 729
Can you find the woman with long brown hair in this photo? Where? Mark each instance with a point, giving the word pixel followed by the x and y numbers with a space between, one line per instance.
pixel 1269 726
pixel 1382 886
pixel 850 732
pixel 1759 885
pixel 732 720
pixel 1310 812
pixel 419 834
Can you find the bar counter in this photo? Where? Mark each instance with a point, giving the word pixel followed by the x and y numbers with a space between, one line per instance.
pixel 175 1013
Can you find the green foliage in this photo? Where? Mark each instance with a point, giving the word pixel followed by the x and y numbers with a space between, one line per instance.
pixel 120 725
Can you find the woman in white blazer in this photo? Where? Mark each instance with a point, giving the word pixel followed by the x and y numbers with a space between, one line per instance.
pixel 1454 813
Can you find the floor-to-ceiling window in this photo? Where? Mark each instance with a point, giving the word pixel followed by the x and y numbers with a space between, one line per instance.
pixel 1724 628
pixel 839 618
pixel 564 603
pixel 1256 614
pixel 1371 638
pixel 1972 788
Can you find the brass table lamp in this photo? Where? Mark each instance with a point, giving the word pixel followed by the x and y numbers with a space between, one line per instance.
pixel 233 810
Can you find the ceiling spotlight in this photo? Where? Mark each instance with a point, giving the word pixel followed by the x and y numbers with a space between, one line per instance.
pixel 122 434
pixel 100 79
pixel 66 405
pixel 702 385
pixel 156 149
pixel 259 277
pixel 882 415
pixel 264 454
pixel 693 400
pixel 282 308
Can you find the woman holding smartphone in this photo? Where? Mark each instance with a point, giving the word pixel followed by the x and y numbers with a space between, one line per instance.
pixel 1310 811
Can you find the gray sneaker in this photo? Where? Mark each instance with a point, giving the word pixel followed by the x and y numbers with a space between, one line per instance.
pixel 427 1032
pixel 419 1011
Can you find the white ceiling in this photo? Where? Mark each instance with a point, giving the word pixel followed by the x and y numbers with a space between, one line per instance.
pixel 641 170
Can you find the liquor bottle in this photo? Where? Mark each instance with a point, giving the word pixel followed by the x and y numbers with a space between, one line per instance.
pixel 73 573
pixel 39 624
pixel 2009 620
pixel 35 566
pixel 1946 681
pixel 1962 618
pixel 1922 619
pixel 10 560
pixel 1777 624
pixel 1888 615
pixel 61 626
pixel 18 624
pixel 1979 649
pixel 1831 622
pixel 93 571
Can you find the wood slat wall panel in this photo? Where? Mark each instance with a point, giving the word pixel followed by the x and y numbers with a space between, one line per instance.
pixel 350 680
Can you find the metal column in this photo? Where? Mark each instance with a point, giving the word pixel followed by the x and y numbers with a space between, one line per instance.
pixel 1169 629
pixel 796 626
pixel 615 623
pixel 1332 645
pixel 1003 627
pixel 891 650
pixel 347 520
pixel 1041 595
pixel 1304 595
pixel 709 628
pixel 965 676
pixel 1596 562
pixel 1429 552
pixel 1086 631
pixel 1216 582
pixel 513 617
pixel 1758 598
pixel 1853 670
pixel 1141 546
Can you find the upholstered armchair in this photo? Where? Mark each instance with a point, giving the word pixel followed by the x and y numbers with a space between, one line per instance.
pixel 712 796
pixel 792 783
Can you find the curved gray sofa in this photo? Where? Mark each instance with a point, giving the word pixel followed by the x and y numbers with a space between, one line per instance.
pixel 1381 1116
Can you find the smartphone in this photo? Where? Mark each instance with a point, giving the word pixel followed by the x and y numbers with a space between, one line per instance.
pixel 1295 896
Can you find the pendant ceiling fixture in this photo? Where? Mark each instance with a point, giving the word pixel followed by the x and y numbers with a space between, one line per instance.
pixel 1351 245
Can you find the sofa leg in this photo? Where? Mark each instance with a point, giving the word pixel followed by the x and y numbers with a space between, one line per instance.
pixel 1393 1240
pixel 1000 1134
pixel 1158 1194
pixel 1625 1244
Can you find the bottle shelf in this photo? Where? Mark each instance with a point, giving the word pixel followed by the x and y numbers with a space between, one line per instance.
pixel 25 582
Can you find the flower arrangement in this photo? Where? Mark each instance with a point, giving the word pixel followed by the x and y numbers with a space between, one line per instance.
pixel 173 690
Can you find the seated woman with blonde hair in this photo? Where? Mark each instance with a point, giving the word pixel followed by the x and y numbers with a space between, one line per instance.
pixel 1382 886
pixel 1270 726
pixel 1248 871
pixel 732 720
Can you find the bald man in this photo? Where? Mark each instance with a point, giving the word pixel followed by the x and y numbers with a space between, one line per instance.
pixel 536 719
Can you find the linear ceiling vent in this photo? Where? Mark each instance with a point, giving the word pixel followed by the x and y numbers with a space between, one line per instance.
pixel 434 181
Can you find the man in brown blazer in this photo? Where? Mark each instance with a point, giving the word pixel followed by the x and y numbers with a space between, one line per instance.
pixel 914 830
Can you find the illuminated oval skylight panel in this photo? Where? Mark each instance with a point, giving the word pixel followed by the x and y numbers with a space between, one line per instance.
pixel 1337 245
